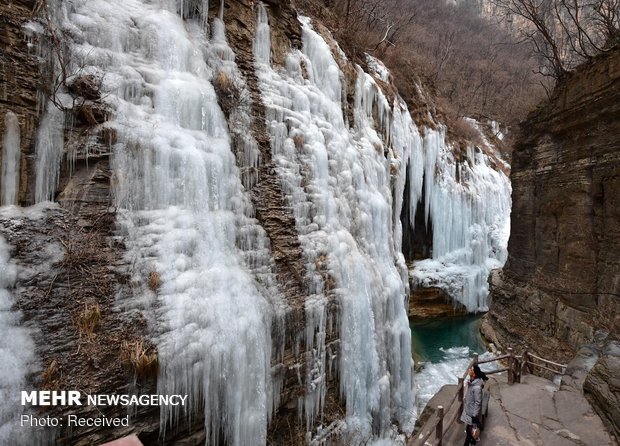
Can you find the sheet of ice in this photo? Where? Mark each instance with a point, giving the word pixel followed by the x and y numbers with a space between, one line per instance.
pixel 10 159
pixel 468 204
pixel 377 68
pixel 183 208
pixel 49 150
pixel 338 182
pixel 16 356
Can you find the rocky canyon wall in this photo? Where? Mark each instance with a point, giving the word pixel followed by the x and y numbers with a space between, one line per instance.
pixel 560 287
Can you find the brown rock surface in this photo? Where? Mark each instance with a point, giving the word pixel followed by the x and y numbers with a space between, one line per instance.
pixel 562 279
pixel 20 80
pixel 602 386
pixel 560 288
pixel 432 302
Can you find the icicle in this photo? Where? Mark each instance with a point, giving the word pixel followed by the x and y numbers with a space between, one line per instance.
pixel 220 45
pixel 262 38
pixel 470 220
pixel 188 8
pixel 49 149
pixel 10 159
pixel 323 70
pixel 33 32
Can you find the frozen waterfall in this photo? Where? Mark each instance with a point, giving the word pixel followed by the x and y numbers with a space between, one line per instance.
pixel 49 149
pixel 10 159
pixel 337 181
pixel 186 215
pixel 467 202
pixel 470 215
pixel 183 209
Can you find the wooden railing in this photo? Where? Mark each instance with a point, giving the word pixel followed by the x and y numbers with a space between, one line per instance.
pixel 530 360
pixel 516 366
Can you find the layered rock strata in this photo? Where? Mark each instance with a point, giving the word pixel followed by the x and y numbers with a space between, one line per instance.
pixel 562 279
pixel 560 287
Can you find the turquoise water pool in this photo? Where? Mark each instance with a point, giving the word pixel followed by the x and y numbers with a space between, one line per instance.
pixel 431 338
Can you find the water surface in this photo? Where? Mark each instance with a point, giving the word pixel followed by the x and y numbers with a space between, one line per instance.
pixel 442 349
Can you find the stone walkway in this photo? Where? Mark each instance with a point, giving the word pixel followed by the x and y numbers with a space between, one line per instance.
pixel 535 412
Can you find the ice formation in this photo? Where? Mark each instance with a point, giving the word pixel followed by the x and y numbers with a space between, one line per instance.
pixel 469 211
pixel 10 160
pixel 185 213
pixel 183 208
pixel 16 355
pixel 49 149
pixel 347 206
pixel 337 180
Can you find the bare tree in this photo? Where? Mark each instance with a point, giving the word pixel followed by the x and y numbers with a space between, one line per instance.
pixel 380 22
pixel 475 67
pixel 606 17
pixel 565 33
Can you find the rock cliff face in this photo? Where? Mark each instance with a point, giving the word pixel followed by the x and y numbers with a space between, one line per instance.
pixel 561 283
pixel 562 279
pixel 21 79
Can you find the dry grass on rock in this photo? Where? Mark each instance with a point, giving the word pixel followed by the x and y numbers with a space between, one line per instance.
pixel 140 356
pixel 88 318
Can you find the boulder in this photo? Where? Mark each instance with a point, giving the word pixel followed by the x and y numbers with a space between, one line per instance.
pixel 602 386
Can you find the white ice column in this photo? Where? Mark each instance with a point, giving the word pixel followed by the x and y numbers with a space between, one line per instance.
pixel 49 150
pixel 10 159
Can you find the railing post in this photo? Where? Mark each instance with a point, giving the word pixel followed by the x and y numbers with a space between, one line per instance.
pixel 475 358
pixel 524 365
pixel 439 428
pixel 461 392
pixel 511 372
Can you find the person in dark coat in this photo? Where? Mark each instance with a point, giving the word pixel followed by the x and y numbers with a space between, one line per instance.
pixel 472 402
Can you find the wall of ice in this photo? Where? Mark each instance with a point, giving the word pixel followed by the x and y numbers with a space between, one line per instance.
pixel 182 207
pixel 16 355
pixel 470 215
pixel 10 160
pixel 337 179
pixel 185 213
